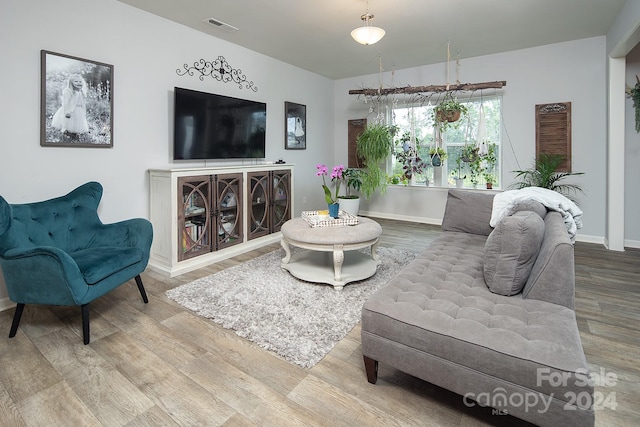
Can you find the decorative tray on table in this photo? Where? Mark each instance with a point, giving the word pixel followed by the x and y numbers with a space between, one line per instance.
pixel 322 218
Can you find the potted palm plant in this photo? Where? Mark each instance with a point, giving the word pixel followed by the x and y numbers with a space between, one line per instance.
pixel 374 145
pixel 544 174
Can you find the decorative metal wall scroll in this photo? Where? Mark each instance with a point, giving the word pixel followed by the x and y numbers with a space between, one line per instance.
pixel 552 108
pixel 218 69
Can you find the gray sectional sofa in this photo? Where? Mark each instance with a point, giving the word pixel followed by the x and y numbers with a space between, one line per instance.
pixel 488 314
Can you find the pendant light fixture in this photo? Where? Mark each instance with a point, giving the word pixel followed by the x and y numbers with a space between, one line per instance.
pixel 367 34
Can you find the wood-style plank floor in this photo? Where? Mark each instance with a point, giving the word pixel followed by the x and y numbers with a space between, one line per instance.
pixel 159 364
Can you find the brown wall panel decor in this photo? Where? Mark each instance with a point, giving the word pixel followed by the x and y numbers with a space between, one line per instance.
pixel 553 131
pixel 356 127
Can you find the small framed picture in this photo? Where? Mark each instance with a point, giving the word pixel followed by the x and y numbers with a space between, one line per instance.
pixel 295 116
pixel 76 106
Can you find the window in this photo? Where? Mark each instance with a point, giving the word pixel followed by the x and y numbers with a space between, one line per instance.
pixel 477 162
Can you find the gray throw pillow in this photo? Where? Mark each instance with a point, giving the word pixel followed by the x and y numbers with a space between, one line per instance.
pixel 468 211
pixel 510 252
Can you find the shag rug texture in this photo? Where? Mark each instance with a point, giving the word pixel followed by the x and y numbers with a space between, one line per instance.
pixel 298 320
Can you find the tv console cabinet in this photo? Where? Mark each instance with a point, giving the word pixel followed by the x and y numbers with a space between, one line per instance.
pixel 204 215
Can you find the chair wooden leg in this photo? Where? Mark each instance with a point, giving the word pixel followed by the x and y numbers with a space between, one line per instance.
pixel 141 289
pixel 371 366
pixel 85 323
pixel 16 320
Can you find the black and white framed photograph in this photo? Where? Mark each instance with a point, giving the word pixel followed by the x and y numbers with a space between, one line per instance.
pixel 76 107
pixel 296 126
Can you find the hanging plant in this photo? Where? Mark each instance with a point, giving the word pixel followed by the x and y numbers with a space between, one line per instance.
pixel 469 153
pixel 407 155
pixel 634 94
pixel 374 145
pixel 437 154
pixel 447 113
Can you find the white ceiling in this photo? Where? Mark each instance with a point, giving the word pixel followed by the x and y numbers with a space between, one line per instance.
pixel 315 34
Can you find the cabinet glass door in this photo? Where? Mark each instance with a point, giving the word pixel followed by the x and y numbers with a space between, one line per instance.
pixel 228 210
pixel 194 217
pixel 259 197
pixel 281 211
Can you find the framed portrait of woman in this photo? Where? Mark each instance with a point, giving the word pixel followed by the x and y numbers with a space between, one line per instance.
pixel 76 106
pixel 295 126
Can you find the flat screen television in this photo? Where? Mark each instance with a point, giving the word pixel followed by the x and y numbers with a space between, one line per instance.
pixel 210 126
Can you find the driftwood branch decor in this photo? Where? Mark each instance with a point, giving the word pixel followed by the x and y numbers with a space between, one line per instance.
pixel 426 89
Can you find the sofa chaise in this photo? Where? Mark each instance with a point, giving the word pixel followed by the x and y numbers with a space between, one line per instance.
pixel 488 314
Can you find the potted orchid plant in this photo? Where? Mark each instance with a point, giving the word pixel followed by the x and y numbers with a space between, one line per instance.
pixel 336 176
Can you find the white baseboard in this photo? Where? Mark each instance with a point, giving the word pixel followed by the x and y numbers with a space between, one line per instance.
pixel 631 243
pixel 419 219
pixel 6 304
pixel 589 239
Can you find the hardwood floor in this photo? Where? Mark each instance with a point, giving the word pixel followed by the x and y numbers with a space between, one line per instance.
pixel 159 364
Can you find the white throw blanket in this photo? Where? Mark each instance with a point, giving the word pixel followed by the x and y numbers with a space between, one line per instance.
pixel 505 202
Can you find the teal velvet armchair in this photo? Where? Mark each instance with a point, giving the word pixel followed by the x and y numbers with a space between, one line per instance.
pixel 58 252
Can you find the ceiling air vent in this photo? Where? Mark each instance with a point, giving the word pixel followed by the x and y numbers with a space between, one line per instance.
pixel 222 25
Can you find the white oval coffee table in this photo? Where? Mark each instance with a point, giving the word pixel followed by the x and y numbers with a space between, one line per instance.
pixel 325 260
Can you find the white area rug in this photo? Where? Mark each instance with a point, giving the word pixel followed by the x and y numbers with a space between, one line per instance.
pixel 298 320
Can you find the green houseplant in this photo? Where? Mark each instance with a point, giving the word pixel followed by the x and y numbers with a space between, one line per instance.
pixel 397 178
pixel 438 154
pixel 409 157
pixel 488 165
pixel 544 174
pixel 448 113
pixel 457 172
pixel 634 94
pixel 374 145
pixel 350 202
pixel 469 153
pixel 489 179
pixel 480 165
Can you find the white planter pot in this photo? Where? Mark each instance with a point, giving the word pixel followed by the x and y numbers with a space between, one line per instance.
pixel 350 205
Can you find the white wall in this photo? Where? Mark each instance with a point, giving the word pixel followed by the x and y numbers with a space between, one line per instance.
pixel 631 158
pixel 573 71
pixel 145 51
pixel 622 43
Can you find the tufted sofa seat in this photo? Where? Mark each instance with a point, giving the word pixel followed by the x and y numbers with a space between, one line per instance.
pixel 438 320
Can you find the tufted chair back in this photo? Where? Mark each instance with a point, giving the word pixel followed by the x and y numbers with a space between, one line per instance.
pixel 69 222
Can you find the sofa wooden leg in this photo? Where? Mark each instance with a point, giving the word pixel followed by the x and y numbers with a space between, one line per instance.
pixel 371 366
pixel 141 289
pixel 16 320
pixel 85 323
